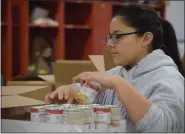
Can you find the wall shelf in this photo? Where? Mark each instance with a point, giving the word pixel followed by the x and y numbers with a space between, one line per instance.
pixel 79 33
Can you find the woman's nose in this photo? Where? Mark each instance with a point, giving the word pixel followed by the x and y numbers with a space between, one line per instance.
pixel 110 43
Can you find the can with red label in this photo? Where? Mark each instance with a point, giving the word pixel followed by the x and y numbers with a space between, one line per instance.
pixel 90 90
pixel 54 115
pixel 38 114
pixel 73 116
pixel 88 114
pixel 102 114
pixel 115 114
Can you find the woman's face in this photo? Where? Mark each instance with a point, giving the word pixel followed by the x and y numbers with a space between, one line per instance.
pixel 129 48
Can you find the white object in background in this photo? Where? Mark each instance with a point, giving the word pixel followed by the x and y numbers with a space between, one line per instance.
pixel 39 12
pixel 45 22
pixel 175 15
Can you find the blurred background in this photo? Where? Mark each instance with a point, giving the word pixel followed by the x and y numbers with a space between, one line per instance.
pixel 35 33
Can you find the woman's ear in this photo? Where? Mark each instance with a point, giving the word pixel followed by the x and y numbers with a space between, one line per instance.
pixel 147 39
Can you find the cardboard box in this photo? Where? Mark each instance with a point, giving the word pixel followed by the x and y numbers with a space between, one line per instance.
pixel 33 80
pixel 65 70
pixel 103 62
pixel 15 100
pixel 15 96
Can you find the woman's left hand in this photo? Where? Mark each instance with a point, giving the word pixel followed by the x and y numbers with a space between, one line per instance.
pixel 106 80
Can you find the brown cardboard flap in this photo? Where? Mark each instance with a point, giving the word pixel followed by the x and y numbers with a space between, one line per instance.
pixel 38 94
pixel 28 83
pixel 35 92
pixel 108 60
pixel 17 101
pixel 49 78
pixel 98 61
pixel 65 70
pixel 14 90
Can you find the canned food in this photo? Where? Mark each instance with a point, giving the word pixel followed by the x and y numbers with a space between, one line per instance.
pixel 115 114
pixel 94 105
pixel 54 115
pixel 102 114
pixel 51 105
pixel 67 105
pixel 88 114
pixel 38 114
pixel 88 92
pixel 73 116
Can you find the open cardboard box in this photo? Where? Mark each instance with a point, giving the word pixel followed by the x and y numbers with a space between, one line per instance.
pixel 65 70
pixel 103 62
pixel 33 80
pixel 14 99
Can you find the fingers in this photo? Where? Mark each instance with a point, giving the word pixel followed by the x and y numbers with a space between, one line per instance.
pixel 70 100
pixel 66 93
pixel 82 78
pixel 47 98
pixel 54 94
pixel 61 93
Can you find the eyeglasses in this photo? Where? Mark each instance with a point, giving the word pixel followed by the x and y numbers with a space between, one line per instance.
pixel 116 37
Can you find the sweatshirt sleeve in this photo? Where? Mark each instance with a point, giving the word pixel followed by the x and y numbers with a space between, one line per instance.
pixel 166 113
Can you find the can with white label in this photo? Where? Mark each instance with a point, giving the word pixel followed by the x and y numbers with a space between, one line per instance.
pixel 115 114
pixel 38 114
pixel 54 115
pixel 102 114
pixel 88 114
pixel 73 116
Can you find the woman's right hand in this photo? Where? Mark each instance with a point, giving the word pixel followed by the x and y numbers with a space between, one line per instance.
pixel 67 92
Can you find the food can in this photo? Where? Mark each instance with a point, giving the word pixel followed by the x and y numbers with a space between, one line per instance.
pixel 73 116
pixel 115 114
pixel 89 92
pixel 38 114
pixel 88 114
pixel 102 114
pixel 54 115
pixel 51 105
pixel 71 105
pixel 94 105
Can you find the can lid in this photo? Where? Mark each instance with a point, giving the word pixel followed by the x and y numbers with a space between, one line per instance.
pixel 53 108
pixel 38 107
pixel 73 109
pixel 102 107
pixel 110 106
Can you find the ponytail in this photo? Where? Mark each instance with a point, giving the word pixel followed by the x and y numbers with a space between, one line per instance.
pixel 170 42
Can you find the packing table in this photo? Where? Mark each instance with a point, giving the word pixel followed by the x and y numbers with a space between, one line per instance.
pixel 10 126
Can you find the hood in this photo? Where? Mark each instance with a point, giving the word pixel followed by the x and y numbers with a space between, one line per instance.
pixel 154 60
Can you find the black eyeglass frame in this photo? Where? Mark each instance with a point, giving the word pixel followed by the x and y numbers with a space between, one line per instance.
pixel 120 35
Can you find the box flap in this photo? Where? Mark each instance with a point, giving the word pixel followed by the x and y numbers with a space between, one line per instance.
pixel 35 92
pixel 17 101
pixel 15 90
pixel 98 61
pixel 49 78
pixel 65 70
pixel 28 83
pixel 108 60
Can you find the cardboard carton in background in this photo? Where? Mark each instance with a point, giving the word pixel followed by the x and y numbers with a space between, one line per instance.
pixel 33 80
pixel 65 70
pixel 103 62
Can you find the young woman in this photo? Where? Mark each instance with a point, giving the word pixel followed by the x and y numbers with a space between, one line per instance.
pixel 146 82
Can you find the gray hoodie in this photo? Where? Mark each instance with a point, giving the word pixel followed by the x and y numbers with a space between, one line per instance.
pixel 157 78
